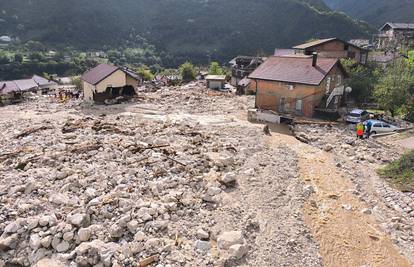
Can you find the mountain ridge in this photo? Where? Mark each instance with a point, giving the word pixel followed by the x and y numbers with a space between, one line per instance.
pixel 191 29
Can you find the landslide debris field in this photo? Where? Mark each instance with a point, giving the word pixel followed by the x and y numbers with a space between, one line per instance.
pixel 178 177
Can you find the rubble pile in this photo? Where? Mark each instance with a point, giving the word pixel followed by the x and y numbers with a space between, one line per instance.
pixel 342 140
pixel 81 187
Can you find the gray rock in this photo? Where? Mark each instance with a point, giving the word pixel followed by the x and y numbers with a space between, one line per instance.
pixel 84 234
pixel 238 251
pixel 133 226
pixel 202 245
pixel 68 236
pixel 78 219
pixel 12 227
pixel 9 242
pixel 228 179
pixel 202 234
pixel 34 241
pixel 228 239
pixel 49 263
pixel 46 241
pixel 63 246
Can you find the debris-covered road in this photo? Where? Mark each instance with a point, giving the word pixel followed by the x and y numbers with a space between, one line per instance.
pixel 177 178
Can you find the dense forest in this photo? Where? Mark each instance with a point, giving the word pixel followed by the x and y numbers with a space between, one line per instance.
pixel 376 12
pixel 179 30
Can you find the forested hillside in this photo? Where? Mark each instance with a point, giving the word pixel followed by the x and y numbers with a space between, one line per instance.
pixel 180 29
pixel 376 12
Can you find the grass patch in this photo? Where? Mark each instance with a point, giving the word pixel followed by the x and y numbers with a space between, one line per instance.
pixel 400 172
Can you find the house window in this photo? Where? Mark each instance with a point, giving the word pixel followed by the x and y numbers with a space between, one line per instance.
pixel 298 104
pixel 290 87
pixel 328 85
pixel 339 80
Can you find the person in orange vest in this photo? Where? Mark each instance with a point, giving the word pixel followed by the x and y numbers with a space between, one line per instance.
pixel 360 130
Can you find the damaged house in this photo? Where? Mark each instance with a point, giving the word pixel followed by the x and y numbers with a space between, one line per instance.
pixel 299 85
pixel 395 35
pixel 106 82
pixel 241 67
pixel 333 48
pixel 9 93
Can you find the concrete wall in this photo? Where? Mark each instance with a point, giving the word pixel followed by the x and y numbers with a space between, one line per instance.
pixel 212 84
pixel 271 94
pixel 131 81
pixel 88 90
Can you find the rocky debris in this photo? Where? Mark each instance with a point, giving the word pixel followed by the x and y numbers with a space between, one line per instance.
pixel 49 263
pixel 135 184
pixel 228 239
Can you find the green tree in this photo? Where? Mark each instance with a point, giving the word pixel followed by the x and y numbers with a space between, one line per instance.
pixel 76 80
pixel 145 73
pixel 215 69
pixel 393 90
pixel 188 71
pixel 362 79
pixel 4 58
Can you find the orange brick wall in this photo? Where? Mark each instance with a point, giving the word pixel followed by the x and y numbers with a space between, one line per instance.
pixel 269 94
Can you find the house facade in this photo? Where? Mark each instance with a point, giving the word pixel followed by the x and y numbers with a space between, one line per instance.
pixel 299 86
pixel 108 82
pixel 333 48
pixel 394 35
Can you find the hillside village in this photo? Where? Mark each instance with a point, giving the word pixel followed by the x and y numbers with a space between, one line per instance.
pixel 256 162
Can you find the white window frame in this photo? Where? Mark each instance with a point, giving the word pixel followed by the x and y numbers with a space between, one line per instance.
pixel 328 85
pixel 300 106
pixel 339 80
pixel 290 87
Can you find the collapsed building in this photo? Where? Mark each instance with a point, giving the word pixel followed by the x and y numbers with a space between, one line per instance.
pixel 106 82
pixel 242 66
pixel 11 92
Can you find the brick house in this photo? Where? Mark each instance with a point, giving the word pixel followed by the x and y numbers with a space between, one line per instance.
pixel 299 85
pixel 333 48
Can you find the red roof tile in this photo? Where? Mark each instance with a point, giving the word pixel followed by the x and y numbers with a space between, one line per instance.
pixel 97 74
pixel 294 69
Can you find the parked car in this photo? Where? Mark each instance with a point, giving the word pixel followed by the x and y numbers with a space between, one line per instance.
pixel 379 127
pixel 357 116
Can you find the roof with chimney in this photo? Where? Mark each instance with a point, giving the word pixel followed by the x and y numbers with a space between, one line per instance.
pixel 398 26
pixel 295 69
pixel 102 71
pixel 320 42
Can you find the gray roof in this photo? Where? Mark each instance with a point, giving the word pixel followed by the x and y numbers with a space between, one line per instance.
pixel 399 26
pixel 8 87
pixel 42 81
pixel 26 84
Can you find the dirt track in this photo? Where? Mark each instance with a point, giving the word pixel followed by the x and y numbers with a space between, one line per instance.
pixel 346 235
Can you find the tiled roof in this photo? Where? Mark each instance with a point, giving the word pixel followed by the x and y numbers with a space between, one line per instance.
pixel 294 69
pixel 97 74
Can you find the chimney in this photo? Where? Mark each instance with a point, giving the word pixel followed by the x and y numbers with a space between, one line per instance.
pixel 314 59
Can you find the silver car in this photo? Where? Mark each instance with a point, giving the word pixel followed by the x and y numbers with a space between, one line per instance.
pixel 378 127
pixel 357 116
